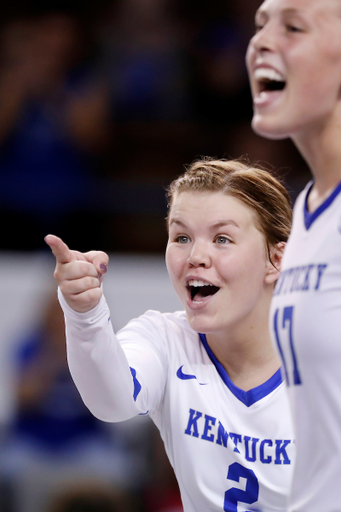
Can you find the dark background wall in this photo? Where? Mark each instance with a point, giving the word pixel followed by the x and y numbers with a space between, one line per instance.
pixel 103 103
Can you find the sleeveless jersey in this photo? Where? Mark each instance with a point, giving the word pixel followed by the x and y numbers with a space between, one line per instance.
pixel 306 327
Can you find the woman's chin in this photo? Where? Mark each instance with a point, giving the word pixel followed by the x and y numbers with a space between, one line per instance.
pixel 267 128
pixel 199 324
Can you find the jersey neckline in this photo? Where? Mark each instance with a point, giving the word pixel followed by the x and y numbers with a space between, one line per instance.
pixel 247 397
pixel 310 217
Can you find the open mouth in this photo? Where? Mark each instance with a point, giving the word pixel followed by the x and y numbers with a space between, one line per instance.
pixel 269 80
pixel 200 289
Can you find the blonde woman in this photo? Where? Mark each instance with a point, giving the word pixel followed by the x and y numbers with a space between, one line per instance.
pixel 294 63
pixel 208 376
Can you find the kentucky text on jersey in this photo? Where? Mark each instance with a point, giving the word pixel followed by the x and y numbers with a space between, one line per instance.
pixel 210 429
pixel 300 279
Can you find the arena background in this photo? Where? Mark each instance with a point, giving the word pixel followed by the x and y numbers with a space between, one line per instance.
pixel 102 104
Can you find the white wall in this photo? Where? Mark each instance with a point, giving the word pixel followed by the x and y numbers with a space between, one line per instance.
pixel 133 285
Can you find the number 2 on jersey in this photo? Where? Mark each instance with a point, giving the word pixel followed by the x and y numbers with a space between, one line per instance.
pixel 234 495
pixel 287 324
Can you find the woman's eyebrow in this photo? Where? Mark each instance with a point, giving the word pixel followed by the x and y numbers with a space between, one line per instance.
pixel 227 222
pixel 216 225
pixel 177 221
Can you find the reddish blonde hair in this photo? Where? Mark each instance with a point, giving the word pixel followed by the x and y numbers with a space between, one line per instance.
pixel 257 188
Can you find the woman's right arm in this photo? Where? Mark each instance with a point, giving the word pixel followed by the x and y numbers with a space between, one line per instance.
pixel 111 387
pixel 98 364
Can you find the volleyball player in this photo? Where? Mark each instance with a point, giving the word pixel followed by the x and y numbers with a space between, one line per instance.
pixel 294 64
pixel 208 376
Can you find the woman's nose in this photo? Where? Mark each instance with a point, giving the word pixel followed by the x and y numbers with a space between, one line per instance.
pixel 264 39
pixel 199 256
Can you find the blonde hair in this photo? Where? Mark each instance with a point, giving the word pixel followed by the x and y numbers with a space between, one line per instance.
pixel 256 187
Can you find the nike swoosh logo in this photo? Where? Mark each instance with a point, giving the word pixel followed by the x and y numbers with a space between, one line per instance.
pixel 184 376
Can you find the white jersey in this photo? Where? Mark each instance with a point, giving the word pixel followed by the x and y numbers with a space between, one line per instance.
pixel 306 322
pixel 231 450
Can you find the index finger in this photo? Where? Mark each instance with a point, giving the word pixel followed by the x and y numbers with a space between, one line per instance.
pixel 59 249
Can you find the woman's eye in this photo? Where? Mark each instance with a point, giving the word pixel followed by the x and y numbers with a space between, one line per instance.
pixel 182 239
pixel 258 28
pixel 293 28
pixel 222 240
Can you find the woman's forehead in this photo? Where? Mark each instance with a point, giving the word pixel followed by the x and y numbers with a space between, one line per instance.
pixel 213 203
pixel 303 6
pixel 192 195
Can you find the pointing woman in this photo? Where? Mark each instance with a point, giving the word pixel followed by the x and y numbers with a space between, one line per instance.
pixel 208 376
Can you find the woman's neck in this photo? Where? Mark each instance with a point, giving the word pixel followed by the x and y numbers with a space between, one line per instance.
pixel 249 360
pixel 322 151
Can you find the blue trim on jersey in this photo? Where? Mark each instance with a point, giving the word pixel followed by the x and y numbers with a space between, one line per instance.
pixel 309 218
pixel 137 385
pixel 247 397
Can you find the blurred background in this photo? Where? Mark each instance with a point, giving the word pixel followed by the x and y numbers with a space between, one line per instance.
pixel 102 104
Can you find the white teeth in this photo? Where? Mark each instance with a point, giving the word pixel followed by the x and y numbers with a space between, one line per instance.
pixel 268 74
pixel 197 282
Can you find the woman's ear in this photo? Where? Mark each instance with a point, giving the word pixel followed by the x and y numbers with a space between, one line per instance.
pixel 274 263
